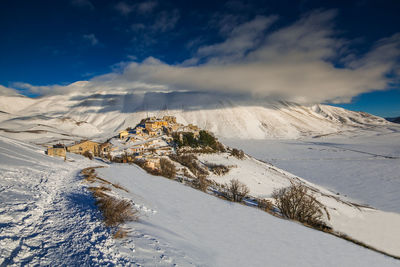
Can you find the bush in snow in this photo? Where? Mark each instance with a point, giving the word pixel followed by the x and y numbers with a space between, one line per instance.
pixel 236 190
pixel 88 154
pixel 167 168
pixel 200 183
pixel 237 153
pixel 218 169
pixel 115 211
pixel 296 203
pixel 191 162
pixel 265 204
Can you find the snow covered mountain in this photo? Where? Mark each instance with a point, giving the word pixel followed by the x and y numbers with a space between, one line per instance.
pixel 76 116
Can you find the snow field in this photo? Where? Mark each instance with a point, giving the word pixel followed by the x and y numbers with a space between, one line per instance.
pixel 213 232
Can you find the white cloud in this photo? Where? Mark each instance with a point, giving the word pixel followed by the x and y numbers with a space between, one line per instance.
pixel 91 38
pixel 5 91
pixel 292 63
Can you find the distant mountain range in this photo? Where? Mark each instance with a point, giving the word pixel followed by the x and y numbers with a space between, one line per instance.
pixel 395 120
pixel 99 115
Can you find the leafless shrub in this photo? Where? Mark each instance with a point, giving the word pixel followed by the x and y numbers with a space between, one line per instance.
pixel 201 183
pixel 88 154
pixel 191 162
pixel 236 190
pixel 218 169
pixel 167 168
pixel 265 204
pixel 115 211
pixel 187 174
pixel 295 203
pixel 220 147
pixel 237 153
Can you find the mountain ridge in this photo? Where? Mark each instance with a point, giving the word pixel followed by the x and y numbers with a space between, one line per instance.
pixel 100 114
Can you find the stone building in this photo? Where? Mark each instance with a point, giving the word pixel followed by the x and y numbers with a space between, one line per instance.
pixel 57 150
pixel 84 146
pixel 123 134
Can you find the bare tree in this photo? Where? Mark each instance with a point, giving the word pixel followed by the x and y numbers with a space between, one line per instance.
pixel 296 203
pixel 236 190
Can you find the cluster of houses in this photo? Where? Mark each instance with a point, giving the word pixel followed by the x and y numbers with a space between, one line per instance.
pixel 149 140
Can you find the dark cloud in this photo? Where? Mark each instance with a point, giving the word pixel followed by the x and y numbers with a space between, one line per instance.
pixel 82 4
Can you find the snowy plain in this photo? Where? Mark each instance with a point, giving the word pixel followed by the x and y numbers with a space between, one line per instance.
pixel 363 165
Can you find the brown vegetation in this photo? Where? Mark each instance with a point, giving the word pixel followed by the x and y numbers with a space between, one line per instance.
pixel 296 203
pixel 237 153
pixel 265 204
pixel 167 168
pixel 120 233
pixel 88 154
pixel 236 190
pixel 200 183
pixel 191 162
pixel 115 211
pixel 218 169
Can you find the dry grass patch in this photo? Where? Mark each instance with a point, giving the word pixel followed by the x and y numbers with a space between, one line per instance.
pixel 89 174
pixel 120 233
pixel 117 185
pixel 115 211
pixel 218 169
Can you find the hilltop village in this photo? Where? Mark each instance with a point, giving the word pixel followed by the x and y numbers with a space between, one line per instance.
pixel 146 143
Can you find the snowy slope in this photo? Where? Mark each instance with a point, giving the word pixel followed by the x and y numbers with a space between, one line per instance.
pixel 372 227
pixel 180 222
pixel 46 215
pixel 100 115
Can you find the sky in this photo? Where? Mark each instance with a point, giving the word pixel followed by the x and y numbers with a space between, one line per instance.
pixel 344 53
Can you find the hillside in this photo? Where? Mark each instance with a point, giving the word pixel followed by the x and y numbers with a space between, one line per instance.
pixel 72 117
pixel 48 217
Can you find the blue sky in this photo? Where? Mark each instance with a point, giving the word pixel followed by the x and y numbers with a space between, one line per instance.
pixel 341 52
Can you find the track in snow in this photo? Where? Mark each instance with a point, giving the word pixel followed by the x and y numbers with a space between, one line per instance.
pixel 46 215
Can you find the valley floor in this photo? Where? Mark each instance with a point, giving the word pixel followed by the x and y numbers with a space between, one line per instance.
pixel 364 165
